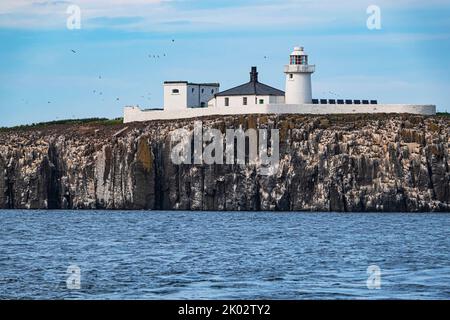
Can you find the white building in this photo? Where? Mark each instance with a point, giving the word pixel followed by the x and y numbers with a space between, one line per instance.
pixel 183 100
pixel 181 95
pixel 252 93
pixel 298 78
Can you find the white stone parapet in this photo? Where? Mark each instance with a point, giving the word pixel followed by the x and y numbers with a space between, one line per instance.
pixel 135 114
pixel 299 68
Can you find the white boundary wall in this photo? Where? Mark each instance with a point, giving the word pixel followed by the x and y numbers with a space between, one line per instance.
pixel 135 114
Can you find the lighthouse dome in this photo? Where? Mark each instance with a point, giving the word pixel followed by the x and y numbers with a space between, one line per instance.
pixel 298 51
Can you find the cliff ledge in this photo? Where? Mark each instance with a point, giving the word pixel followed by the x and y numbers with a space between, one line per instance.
pixel 385 163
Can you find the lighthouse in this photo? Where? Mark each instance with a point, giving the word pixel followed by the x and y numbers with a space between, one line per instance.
pixel 298 78
pixel 186 100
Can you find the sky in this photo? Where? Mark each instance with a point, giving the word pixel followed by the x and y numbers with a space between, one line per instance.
pixel 51 72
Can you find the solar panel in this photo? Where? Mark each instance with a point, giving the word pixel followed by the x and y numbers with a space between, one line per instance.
pixel 365 101
pixel 332 101
pixel 315 101
pixel 340 101
pixel 357 101
pixel 373 102
pixel 323 101
pixel 348 101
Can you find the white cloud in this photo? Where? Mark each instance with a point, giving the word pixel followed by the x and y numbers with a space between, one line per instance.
pixel 168 15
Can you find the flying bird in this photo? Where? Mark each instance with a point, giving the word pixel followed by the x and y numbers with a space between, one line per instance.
pixel 335 94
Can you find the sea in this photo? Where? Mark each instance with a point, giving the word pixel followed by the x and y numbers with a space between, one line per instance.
pixel 223 255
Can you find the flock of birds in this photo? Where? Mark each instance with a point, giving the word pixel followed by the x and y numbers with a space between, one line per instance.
pixel 100 93
pixel 151 56
pixel 148 96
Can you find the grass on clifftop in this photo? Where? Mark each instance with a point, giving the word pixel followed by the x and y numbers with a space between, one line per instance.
pixel 88 121
pixel 100 121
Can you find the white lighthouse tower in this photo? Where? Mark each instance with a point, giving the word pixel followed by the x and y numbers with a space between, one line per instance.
pixel 298 78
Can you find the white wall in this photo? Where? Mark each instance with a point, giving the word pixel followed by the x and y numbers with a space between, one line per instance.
pixel 132 114
pixel 298 89
pixel 238 101
pixel 189 96
pixel 276 99
pixel 175 101
pixel 200 93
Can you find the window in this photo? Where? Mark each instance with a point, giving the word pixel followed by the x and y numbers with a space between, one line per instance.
pixel 212 91
pixel 175 91
pixel 261 101
pixel 202 105
pixel 244 101
pixel 203 90
pixel 227 102
pixel 193 90
pixel 291 76
pixel 302 60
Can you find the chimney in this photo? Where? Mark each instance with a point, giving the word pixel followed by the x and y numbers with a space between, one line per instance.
pixel 254 75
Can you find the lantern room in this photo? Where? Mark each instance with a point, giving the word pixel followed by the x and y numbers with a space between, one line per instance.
pixel 299 57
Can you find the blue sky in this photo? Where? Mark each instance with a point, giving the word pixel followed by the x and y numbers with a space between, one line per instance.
pixel 41 79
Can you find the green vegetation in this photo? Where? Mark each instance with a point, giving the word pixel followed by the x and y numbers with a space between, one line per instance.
pixel 87 121
pixel 443 114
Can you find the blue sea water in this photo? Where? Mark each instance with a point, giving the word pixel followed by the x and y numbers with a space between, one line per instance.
pixel 223 255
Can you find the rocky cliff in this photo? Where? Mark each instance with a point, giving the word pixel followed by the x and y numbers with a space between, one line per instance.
pixel 328 163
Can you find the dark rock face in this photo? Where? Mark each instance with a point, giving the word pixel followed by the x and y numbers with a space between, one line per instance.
pixel 3 186
pixel 381 163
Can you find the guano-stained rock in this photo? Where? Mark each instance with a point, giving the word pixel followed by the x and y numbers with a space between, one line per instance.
pixel 346 163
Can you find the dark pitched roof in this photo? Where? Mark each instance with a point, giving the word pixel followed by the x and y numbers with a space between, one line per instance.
pixel 254 87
